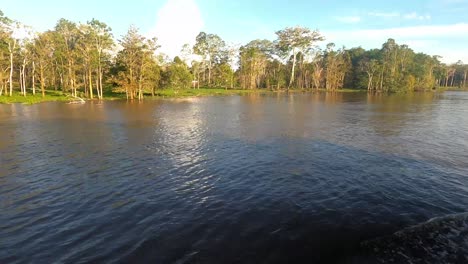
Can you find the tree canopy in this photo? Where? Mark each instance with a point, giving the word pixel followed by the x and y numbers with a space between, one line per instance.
pixel 84 59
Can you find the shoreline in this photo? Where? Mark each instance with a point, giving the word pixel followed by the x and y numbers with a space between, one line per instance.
pixel 58 96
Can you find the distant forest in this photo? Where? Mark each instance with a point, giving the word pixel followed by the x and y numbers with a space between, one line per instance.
pixel 84 59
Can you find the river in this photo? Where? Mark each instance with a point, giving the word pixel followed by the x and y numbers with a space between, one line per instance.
pixel 262 178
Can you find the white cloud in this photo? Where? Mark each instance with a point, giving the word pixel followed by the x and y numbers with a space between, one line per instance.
pixel 444 40
pixel 178 22
pixel 396 15
pixel 416 16
pixel 384 15
pixel 349 19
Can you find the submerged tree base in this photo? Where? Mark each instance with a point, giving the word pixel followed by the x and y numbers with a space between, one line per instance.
pixel 53 96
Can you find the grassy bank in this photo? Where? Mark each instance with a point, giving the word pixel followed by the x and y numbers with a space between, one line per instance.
pixel 52 95
pixel 201 92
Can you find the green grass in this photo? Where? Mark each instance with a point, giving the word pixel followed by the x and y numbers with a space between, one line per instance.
pixel 33 99
pixel 52 95
pixel 201 92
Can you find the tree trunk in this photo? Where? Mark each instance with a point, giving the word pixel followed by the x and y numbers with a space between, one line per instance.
pixel 41 73
pixel 97 87
pixel 100 75
pixel 33 77
pixel 11 49
pixel 293 70
pixel 453 77
pixel 90 82
pixel 70 78
pixel 464 78
pixel 23 80
pixel 369 84
pixel 85 82
pixel 140 92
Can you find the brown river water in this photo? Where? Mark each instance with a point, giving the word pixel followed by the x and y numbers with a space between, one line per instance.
pixel 273 178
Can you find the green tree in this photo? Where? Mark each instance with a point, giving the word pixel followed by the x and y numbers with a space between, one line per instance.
pixel 66 41
pixel 43 51
pixel 103 42
pixel 136 60
pixel 177 75
pixel 253 59
pixel 294 40
pixel 212 49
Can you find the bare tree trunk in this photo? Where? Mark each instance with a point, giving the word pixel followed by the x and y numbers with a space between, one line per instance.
pixel 97 87
pixel 90 82
pixel 33 77
pixel 369 83
pixel 70 78
pixel 293 69
pixel 453 77
pixel 140 92
pixel 11 49
pixel 41 73
pixel 464 78
pixel 23 79
pixel 100 76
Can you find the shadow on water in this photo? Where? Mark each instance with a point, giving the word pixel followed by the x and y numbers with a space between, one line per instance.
pixel 283 215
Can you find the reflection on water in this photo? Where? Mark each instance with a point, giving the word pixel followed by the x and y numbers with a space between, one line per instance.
pixel 259 179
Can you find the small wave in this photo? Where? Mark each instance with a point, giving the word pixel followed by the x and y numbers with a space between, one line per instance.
pixel 439 240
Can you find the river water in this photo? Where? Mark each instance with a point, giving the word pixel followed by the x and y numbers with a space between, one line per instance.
pixel 239 179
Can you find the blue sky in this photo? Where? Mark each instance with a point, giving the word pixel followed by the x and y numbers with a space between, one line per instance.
pixel 432 26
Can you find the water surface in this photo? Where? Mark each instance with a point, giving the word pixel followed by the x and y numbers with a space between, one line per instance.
pixel 238 179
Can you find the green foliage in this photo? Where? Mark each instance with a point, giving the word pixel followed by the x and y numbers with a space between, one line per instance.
pixel 34 99
pixel 176 75
pixel 81 59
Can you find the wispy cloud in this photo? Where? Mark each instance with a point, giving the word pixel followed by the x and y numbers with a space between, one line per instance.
pixel 384 14
pixel 348 19
pixel 397 15
pixel 416 16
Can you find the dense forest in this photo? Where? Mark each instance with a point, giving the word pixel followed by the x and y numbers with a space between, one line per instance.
pixel 84 59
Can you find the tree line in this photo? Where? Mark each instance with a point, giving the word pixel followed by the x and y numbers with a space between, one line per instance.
pixel 84 59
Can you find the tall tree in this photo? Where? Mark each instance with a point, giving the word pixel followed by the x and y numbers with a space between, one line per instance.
pixel 293 40
pixel 102 41
pixel 67 47
pixel 212 49
pixel 253 63
pixel 136 57
pixel 43 50
pixel 88 53
pixel 9 32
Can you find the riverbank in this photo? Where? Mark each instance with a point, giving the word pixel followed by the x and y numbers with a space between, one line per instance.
pixel 52 96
